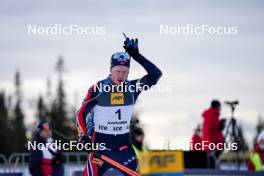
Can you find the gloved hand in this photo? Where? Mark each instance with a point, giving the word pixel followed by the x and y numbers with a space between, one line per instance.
pixel 58 159
pixel 85 139
pixel 131 47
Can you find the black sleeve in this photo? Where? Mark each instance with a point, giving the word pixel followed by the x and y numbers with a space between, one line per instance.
pixel 152 76
pixel 35 162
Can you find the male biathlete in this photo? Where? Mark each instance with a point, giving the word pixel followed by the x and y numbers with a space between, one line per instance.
pixel 109 112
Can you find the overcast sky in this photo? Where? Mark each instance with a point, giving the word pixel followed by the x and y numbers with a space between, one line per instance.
pixel 198 68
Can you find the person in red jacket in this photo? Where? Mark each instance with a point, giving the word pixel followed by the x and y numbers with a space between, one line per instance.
pixel 212 132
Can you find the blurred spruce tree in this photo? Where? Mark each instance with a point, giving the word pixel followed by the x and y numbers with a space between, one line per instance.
pixel 60 120
pixel 18 130
pixel 4 130
pixel 41 109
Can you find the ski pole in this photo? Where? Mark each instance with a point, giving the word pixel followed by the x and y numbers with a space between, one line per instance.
pixel 119 166
pixel 125 35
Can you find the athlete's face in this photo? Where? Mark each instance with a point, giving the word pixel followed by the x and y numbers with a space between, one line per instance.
pixel 46 133
pixel 140 138
pixel 119 74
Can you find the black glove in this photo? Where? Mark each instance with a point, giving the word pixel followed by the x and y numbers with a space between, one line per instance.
pixel 131 47
pixel 222 124
pixel 58 159
pixel 85 140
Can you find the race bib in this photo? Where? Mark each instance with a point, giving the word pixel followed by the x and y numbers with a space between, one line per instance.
pixel 112 119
